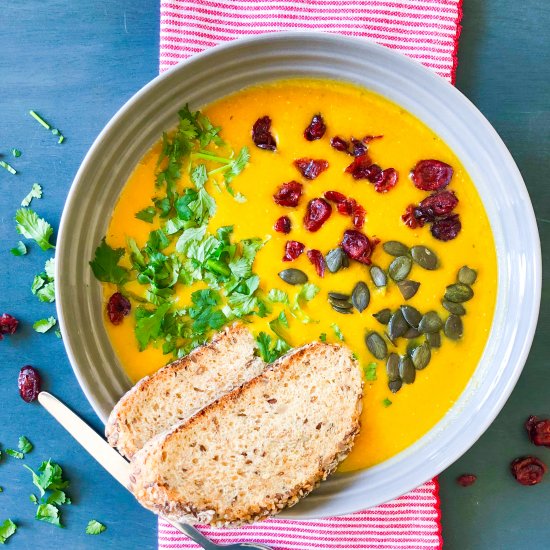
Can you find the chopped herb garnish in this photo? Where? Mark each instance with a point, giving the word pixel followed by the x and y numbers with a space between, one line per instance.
pixel 323 336
pixel 105 264
pixel 149 324
pixel 58 333
pixel 386 403
pixel 278 296
pixel 8 167
pixel 16 152
pixel 337 331
pixel 43 283
pixel 271 350
pixel 34 193
pixel 370 372
pixel 19 250
pixel 94 527
pixel 43 325
pixel 31 226
pixel 7 529
pixel 33 499
pixel 15 454
pixel 147 214
pixel 25 446
pixel 48 126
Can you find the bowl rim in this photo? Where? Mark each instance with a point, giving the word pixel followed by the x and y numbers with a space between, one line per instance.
pixel 529 228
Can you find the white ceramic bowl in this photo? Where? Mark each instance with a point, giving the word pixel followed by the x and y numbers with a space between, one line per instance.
pixel 231 67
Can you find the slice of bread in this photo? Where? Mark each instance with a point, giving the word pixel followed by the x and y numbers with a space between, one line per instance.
pixel 258 449
pixel 182 388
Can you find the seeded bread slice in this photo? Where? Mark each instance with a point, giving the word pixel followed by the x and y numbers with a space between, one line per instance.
pixel 180 389
pixel 258 449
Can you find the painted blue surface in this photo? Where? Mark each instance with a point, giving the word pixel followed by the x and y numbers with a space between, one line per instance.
pixel 76 63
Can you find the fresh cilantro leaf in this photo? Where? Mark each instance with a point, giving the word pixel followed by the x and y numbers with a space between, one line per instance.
pixel 337 331
pixel 237 165
pixel 15 454
pixel 48 513
pixel 188 236
pixel 323 337
pixel 47 292
pixel 19 250
pixel 199 176
pixel 147 214
pixel 173 225
pixel 370 372
pixel 49 268
pixel 34 193
pixel 33 499
pixel 50 477
pixel 7 529
pixel 163 206
pixel 94 527
pixel 203 207
pixel 209 132
pixel 38 282
pixel 149 324
pixel 25 446
pixel 307 292
pixel 157 240
pixel 57 498
pixel 43 325
pixel 58 333
pixel 105 264
pixel 386 403
pixel 278 325
pixel 31 226
pixel 278 296
pixel 269 350
pixel 182 204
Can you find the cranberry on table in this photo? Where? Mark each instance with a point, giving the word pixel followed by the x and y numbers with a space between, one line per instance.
pixel 288 194
pixel 318 261
pixel 293 249
pixel 431 175
pixel 8 324
pixel 283 225
pixel 317 213
pixel 262 136
pixel 311 168
pixel 118 307
pixel 528 470
pixel 465 480
pixel 538 430
pixel 29 383
pixel 316 129
pixel 358 246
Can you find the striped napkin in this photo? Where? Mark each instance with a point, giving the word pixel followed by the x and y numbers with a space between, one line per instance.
pixel 426 30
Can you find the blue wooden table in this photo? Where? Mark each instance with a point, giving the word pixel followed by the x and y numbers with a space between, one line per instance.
pixel 77 63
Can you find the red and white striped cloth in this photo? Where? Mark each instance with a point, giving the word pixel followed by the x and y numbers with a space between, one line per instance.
pixel 426 30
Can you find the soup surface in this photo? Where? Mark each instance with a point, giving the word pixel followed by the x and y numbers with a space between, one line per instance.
pixel 390 421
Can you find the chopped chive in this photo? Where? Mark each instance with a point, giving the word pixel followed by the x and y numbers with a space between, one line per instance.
pixel 55 131
pixel 39 119
pixel 61 139
pixel 16 152
pixel 9 168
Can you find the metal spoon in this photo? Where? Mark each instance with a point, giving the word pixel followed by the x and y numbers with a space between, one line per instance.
pixel 118 467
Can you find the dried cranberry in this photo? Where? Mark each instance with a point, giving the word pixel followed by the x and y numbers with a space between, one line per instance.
pixel 386 180
pixel 340 144
pixel 358 216
pixel 363 168
pixel 358 246
pixel 446 229
pixel 117 308
pixel 334 196
pixel 466 480
pixel 316 128
pixel 8 324
pixel 359 147
pixel 292 250
pixel 288 194
pixel 538 430
pixel 317 213
pixel 283 225
pixel 430 175
pixel 261 134
pixel 347 206
pixel 29 383
pixel 528 470
pixel 318 260
pixel 410 219
pixel 311 168
pixel 438 204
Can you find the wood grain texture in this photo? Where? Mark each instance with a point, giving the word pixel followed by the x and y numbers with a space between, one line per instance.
pixel 76 63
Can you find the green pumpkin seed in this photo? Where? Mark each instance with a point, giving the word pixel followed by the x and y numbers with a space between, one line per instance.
pixel 421 356
pixel 434 339
pixel 338 296
pixel 407 372
pixel 343 304
pixel 397 325
pixel 430 322
pixel 378 276
pixel 392 366
pixel 408 288
pixel 383 316
pixel 411 333
pixel 395 385
pixel 400 268
pixel 467 275
pixel 360 297
pixel 452 307
pixel 293 276
pixel 424 257
pixel 453 327
pixel 412 315
pixel 342 309
pixel 335 259
pixel 395 248
pixel 458 293
pixel 376 345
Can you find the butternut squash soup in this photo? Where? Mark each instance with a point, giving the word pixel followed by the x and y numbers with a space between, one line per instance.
pixel 308 210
